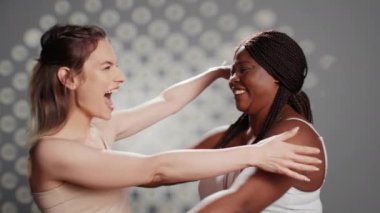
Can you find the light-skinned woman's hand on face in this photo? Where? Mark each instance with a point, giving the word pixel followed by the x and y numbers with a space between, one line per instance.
pixel 277 156
pixel 224 69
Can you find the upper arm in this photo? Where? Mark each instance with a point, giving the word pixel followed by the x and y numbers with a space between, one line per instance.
pixel 262 188
pixel 252 194
pixel 75 163
pixel 127 122
pixel 306 136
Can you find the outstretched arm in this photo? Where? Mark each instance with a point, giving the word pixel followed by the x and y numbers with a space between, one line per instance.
pixel 127 122
pixel 75 163
pixel 254 191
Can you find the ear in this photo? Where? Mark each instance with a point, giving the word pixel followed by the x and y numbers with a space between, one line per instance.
pixel 67 78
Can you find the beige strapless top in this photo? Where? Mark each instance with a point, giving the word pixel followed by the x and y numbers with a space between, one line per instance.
pixel 72 198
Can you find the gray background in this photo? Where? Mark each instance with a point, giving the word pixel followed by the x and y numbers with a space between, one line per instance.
pixel 341 41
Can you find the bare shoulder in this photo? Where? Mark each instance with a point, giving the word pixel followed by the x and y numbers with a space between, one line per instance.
pixel 306 136
pixel 211 138
pixel 45 148
pixel 45 157
pixel 50 154
pixel 45 151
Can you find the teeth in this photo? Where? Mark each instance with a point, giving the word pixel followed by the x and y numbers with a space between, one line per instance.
pixel 238 92
pixel 115 90
pixel 112 91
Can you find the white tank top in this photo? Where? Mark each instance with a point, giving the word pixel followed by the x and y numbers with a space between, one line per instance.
pixel 293 200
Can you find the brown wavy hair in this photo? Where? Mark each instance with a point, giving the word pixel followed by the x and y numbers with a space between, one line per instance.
pixel 62 46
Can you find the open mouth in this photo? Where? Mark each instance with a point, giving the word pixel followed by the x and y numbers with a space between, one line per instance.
pixel 239 92
pixel 237 89
pixel 108 98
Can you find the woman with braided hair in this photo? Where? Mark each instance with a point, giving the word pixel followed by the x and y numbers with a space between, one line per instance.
pixel 72 168
pixel 266 79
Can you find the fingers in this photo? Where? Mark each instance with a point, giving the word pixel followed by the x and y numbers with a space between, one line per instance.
pixel 301 167
pixel 306 159
pixel 295 175
pixel 288 134
pixel 305 150
pixel 226 68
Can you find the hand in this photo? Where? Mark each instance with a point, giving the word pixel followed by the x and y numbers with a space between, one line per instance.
pixel 280 157
pixel 224 69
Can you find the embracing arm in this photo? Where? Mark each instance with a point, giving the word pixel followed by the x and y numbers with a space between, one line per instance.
pixel 261 188
pixel 251 195
pixel 127 122
pixel 76 163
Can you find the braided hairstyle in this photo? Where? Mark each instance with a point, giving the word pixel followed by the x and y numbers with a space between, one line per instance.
pixel 285 61
pixel 62 46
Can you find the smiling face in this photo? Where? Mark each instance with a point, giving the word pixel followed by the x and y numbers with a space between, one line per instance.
pixel 99 79
pixel 254 89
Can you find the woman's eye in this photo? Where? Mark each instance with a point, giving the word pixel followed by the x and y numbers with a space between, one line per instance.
pixel 107 68
pixel 243 69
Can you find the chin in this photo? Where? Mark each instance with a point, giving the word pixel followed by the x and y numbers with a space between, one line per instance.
pixel 107 116
pixel 240 108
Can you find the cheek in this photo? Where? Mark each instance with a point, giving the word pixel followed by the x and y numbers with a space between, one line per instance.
pixel 88 94
pixel 266 83
pixel 261 89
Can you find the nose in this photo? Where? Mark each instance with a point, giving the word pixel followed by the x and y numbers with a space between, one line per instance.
pixel 234 77
pixel 120 77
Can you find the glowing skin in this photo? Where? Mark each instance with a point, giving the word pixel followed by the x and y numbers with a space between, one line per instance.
pixel 101 77
pixel 253 87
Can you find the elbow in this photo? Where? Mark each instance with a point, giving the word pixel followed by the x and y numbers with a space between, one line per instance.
pixel 157 179
pixel 157 176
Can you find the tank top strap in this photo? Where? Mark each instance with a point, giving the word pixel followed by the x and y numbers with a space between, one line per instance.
pixel 305 122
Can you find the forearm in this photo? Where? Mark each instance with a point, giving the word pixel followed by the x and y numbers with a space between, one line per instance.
pixel 179 94
pixel 250 192
pixel 127 122
pixel 188 165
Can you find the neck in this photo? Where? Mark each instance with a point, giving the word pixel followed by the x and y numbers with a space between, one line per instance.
pixel 77 126
pixel 257 120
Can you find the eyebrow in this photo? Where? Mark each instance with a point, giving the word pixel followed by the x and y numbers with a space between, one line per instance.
pixel 106 63
pixel 244 63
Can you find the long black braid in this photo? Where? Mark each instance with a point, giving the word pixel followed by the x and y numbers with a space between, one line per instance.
pixel 285 61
